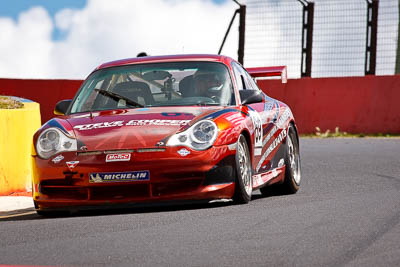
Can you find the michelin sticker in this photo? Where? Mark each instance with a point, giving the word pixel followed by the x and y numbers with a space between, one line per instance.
pixel 103 177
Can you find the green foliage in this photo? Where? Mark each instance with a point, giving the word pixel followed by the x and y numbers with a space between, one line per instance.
pixel 328 133
pixel 9 103
pixel 338 133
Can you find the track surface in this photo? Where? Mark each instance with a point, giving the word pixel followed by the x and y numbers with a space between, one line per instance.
pixel 347 212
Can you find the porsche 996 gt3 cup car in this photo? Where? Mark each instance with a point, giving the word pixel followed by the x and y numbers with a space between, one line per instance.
pixel 166 128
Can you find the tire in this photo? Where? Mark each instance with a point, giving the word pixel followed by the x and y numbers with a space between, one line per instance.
pixel 48 213
pixel 43 213
pixel 292 179
pixel 244 173
pixel 292 161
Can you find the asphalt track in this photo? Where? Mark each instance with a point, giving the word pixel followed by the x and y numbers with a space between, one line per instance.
pixel 347 213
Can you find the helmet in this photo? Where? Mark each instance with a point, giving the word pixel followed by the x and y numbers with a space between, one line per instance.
pixel 208 82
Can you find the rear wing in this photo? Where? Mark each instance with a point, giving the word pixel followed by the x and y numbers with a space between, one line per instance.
pixel 263 72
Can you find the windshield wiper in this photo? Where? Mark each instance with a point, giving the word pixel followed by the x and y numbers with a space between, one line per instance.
pixel 117 97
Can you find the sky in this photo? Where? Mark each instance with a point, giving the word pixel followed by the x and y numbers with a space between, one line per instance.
pixel 52 39
pixel 67 39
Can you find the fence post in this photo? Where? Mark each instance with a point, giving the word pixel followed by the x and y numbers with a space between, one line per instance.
pixel 307 38
pixel 242 30
pixel 372 29
pixel 397 67
pixel 227 31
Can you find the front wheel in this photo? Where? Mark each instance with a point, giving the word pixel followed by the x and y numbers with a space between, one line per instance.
pixel 292 161
pixel 244 181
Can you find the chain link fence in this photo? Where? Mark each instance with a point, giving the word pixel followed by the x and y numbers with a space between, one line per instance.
pixel 388 24
pixel 340 38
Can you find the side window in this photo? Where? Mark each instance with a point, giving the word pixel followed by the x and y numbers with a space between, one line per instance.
pixel 251 82
pixel 240 80
pixel 247 80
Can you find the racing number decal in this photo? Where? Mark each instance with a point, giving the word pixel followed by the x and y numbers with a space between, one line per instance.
pixel 258 132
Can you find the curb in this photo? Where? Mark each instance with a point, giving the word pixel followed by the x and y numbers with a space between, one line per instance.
pixel 16 213
pixel 9 204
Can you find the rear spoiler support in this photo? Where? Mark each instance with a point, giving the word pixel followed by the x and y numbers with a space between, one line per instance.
pixel 263 72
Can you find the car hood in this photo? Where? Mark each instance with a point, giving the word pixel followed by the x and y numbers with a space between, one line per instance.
pixel 133 128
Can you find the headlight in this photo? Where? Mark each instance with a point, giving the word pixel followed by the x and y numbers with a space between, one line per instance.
pixel 199 137
pixel 52 141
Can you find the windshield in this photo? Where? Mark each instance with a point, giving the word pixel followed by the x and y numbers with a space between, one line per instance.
pixel 154 85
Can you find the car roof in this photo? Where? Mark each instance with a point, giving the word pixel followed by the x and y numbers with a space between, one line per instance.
pixel 169 58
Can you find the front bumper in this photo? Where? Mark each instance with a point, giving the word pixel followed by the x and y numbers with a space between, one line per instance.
pixel 199 175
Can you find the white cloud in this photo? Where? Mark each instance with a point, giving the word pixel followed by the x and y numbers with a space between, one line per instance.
pixel 107 30
pixel 25 46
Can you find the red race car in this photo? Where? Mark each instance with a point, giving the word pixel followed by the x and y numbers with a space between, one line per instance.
pixel 167 128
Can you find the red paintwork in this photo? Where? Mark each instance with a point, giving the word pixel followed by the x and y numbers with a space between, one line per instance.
pixel 182 176
pixel 172 176
pixel 159 59
pixel 128 136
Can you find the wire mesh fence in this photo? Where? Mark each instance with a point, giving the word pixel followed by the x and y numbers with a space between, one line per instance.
pixel 388 23
pixel 273 34
pixel 340 38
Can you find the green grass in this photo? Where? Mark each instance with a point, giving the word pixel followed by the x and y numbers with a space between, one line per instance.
pixel 9 103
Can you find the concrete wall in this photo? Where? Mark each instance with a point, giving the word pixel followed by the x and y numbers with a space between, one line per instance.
pixel 354 104
pixel 46 92
pixel 17 127
pixel 368 104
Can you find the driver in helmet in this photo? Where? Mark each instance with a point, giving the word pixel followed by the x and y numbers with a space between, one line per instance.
pixel 207 83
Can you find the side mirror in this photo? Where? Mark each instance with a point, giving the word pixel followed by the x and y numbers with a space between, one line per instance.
pixel 251 96
pixel 62 107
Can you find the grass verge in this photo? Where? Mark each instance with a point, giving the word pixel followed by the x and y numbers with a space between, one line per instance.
pixel 338 134
pixel 7 102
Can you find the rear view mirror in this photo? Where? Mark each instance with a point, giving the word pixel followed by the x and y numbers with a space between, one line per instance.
pixel 156 75
pixel 62 107
pixel 251 96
